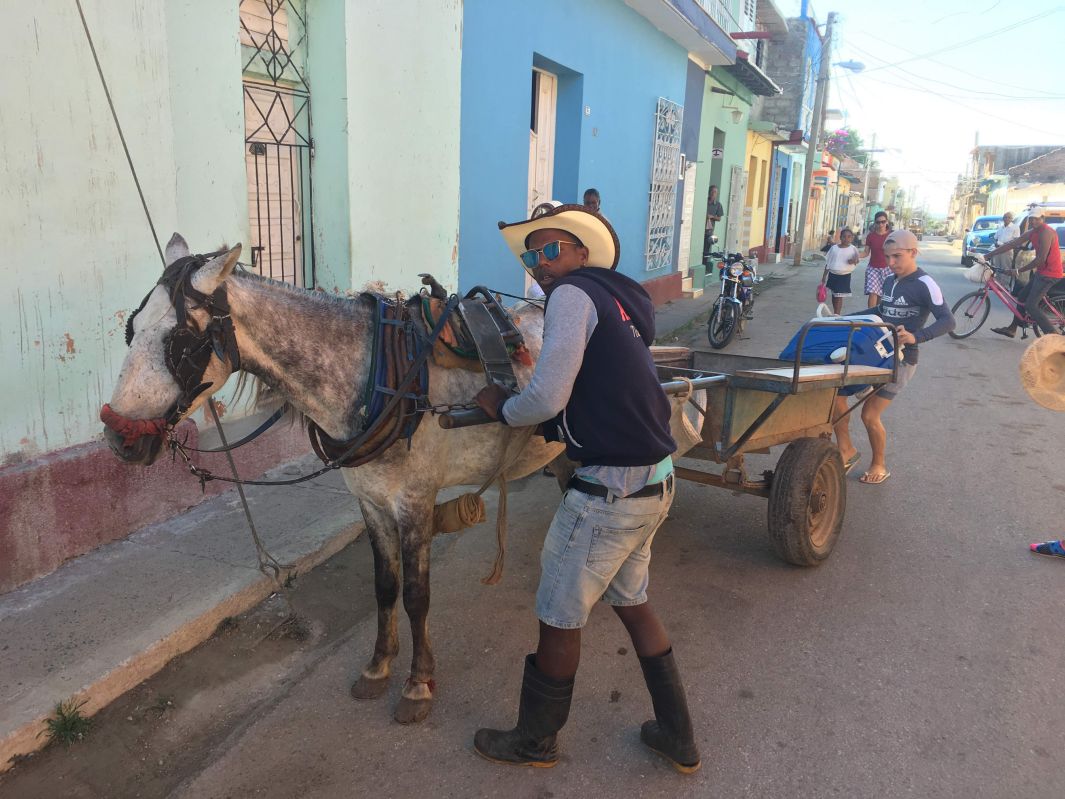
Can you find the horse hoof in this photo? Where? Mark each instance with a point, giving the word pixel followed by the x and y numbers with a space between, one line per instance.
pixel 366 688
pixel 412 711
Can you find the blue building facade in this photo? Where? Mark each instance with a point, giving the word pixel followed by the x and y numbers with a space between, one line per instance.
pixel 559 97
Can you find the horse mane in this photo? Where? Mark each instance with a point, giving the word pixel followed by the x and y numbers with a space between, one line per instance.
pixel 259 393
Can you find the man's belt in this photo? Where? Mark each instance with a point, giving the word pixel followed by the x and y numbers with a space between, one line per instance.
pixel 597 490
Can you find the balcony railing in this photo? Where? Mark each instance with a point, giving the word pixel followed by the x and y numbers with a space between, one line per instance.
pixel 720 13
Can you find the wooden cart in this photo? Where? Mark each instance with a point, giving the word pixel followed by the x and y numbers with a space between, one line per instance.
pixel 753 404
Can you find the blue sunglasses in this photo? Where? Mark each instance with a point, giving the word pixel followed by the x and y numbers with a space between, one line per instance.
pixel 551 251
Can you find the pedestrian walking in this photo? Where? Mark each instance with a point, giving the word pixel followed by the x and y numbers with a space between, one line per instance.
pixel 876 270
pixel 595 389
pixel 840 261
pixel 1006 233
pixel 910 295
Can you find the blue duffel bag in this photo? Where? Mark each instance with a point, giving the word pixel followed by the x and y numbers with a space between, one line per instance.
pixel 870 346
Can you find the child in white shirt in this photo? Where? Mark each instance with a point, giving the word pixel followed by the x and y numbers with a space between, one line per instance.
pixel 839 263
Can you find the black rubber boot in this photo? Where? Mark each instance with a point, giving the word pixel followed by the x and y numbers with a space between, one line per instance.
pixel 670 732
pixel 542 711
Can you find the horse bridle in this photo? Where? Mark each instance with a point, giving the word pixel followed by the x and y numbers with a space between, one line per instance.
pixel 187 351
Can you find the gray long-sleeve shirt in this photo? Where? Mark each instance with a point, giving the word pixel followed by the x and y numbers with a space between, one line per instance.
pixel 569 322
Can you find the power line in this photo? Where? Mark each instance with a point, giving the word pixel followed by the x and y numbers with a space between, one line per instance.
pixel 941 82
pixel 945 65
pixel 1004 99
pixel 967 42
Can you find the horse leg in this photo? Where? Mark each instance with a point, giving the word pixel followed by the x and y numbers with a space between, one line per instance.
pixel 384 538
pixel 415 526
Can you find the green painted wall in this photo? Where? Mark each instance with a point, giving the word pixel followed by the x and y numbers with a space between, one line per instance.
pixel 403 77
pixel 717 113
pixel 385 88
pixel 78 253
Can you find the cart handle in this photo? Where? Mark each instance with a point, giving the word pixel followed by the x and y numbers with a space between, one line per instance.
pixel 853 324
pixel 475 416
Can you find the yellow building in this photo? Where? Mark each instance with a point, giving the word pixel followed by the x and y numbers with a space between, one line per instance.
pixel 758 158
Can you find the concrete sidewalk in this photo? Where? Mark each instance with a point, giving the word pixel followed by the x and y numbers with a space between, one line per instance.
pixel 108 620
pixel 104 622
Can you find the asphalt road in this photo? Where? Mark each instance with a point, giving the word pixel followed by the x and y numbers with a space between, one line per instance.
pixel 924 658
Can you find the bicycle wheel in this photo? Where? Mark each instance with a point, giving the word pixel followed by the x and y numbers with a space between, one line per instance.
pixel 722 323
pixel 970 313
pixel 1058 304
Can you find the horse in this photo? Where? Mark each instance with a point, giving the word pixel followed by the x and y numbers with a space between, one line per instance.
pixel 314 350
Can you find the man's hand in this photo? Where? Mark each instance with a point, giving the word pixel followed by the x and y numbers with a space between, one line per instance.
pixel 906 337
pixel 490 398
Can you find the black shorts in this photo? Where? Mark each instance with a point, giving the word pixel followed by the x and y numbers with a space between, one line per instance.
pixel 839 285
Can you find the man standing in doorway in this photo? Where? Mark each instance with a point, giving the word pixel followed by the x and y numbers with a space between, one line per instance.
pixel 592 201
pixel 909 296
pixel 1047 266
pixel 714 212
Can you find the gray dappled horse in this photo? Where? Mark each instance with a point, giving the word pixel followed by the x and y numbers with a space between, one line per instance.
pixel 314 350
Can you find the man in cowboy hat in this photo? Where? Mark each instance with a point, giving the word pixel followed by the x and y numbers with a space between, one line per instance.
pixel 910 295
pixel 1048 271
pixel 595 389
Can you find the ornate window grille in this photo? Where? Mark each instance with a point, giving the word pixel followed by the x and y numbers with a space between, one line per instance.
pixel 279 147
pixel 665 171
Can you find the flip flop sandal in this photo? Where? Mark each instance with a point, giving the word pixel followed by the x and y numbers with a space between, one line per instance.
pixel 1052 548
pixel 851 462
pixel 874 479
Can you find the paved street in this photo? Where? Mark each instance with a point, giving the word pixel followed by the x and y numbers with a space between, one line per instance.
pixel 922 659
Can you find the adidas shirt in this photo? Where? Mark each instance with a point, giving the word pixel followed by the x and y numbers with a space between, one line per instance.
pixel 908 301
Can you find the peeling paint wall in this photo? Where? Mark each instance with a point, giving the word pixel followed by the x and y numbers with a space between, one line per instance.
pixel 78 252
pixel 79 255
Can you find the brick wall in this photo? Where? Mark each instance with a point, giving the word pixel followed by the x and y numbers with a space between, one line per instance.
pixel 786 66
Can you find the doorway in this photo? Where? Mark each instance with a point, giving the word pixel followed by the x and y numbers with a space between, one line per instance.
pixel 542 137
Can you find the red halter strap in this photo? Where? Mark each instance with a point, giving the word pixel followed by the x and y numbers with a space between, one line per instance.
pixel 131 429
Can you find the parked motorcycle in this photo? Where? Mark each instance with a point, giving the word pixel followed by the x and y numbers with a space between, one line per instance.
pixel 735 305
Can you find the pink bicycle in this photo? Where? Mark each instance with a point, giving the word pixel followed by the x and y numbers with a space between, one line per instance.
pixel 971 311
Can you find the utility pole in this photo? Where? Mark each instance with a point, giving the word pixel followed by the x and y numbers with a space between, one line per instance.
pixel 815 134
pixel 865 184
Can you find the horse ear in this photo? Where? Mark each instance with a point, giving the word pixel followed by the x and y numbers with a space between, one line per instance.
pixel 213 273
pixel 176 248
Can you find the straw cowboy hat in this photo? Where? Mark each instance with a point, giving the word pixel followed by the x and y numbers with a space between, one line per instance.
pixel 1043 371
pixel 594 232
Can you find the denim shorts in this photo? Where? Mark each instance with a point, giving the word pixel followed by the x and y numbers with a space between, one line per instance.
pixel 597 549
pixel 891 390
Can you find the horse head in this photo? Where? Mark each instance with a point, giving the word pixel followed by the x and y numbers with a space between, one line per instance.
pixel 182 348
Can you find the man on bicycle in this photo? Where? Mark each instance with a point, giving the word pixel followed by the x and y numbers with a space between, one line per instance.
pixel 910 295
pixel 1048 271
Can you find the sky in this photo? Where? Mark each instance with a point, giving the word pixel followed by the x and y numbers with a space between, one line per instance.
pixel 939 73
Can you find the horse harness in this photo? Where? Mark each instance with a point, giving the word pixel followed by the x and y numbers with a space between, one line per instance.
pixel 395 398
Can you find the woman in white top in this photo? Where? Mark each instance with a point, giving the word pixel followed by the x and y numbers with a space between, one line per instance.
pixel 839 263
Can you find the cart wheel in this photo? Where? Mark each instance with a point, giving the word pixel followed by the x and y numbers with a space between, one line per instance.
pixel 807 501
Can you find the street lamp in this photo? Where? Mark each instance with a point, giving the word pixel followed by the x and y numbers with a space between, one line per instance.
pixel 853 66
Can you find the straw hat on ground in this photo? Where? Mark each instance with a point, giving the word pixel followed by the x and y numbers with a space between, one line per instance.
pixel 594 232
pixel 1043 371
